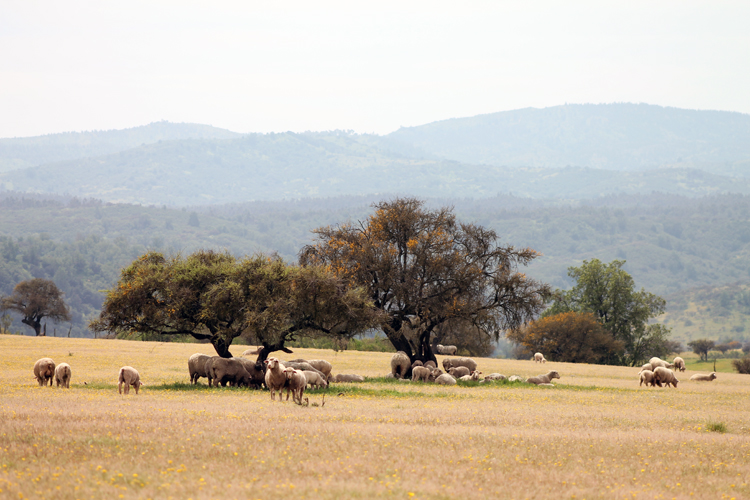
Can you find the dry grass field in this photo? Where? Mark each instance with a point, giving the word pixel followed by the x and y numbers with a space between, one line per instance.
pixel 595 435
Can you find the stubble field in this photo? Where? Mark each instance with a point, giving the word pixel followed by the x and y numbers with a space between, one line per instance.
pixel 595 435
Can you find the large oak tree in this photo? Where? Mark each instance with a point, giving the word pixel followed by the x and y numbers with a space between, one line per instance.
pixel 35 300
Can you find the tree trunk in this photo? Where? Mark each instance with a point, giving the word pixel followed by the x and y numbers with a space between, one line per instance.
pixel 221 345
pixel 36 325
pixel 269 348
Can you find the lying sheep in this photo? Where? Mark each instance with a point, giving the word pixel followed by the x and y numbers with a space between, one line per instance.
pixel 700 377
pixel 341 377
pixel 296 383
pixel 420 373
pixel 474 376
pixel 543 379
pixel 447 350
pixel 128 376
pixel 663 375
pixel 495 376
pixel 197 366
pixel 44 370
pixel 679 364
pixel 63 375
pixel 455 362
pixel 434 374
pixel 515 378
pixel 459 371
pixel 253 351
pixel 430 364
pixel 416 363
pixel 314 379
pixel 445 379
pixel 539 358
pixel 400 364
pixel 647 376
pixel 275 377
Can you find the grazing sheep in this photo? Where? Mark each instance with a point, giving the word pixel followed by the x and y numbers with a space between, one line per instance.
pixel 314 379
pixel 342 377
pixel 445 379
pixel 296 383
pixel 434 374
pixel 515 378
pixel 679 364
pixel 539 358
pixel 44 370
pixel 197 366
pixel 495 376
pixel 447 350
pixel 229 371
pixel 416 363
pixel 474 376
pixel 302 366
pixel 454 362
pixel 275 377
pixel 459 371
pixel 647 376
pixel 648 367
pixel 400 364
pixel 663 375
pixel 700 377
pixel 62 375
pixel 255 369
pixel 656 362
pixel 420 373
pixel 128 376
pixel 543 379
pixel 430 364
pixel 253 351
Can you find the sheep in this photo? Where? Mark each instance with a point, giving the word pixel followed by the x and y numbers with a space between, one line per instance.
pixel 296 383
pixel 314 379
pixel 495 376
pixel 515 378
pixel 416 364
pixel 700 377
pixel 63 375
pixel 253 351
pixel 322 366
pixel 543 379
pixel 420 373
pixel 454 362
pixel 647 376
pixel 197 366
pixel 434 374
pixel 445 379
pixel 128 376
pixel 648 367
pixel 400 364
pixel 255 369
pixel 539 358
pixel 679 363
pixel 447 350
pixel 44 370
pixel 459 371
pixel 665 376
pixel 275 377
pixel 302 366
pixel 656 362
pixel 342 377
pixel 474 376
pixel 430 364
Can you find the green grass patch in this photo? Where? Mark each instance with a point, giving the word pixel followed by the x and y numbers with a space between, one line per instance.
pixel 719 427
pixel 722 365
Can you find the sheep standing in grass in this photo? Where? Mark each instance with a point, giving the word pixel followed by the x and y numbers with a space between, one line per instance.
pixel 700 377
pixel 647 376
pixel 447 350
pixel 345 377
pixel 63 375
pixel 400 364
pixel 275 377
pixel 303 365
pixel 455 362
pixel 445 379
pixel 255 369
pixel 197 366
pixel 314 379
pixel 296 383
pixel 44 370
pixel 128 376
pixel 322 366
pixel 420 373
pixel 663 375
pixel 679 364
pixel 459 371
pixel 543 379
pixel 539 358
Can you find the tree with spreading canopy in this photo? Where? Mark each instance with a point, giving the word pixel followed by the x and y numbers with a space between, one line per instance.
pixel 608 292
pixel 216 297
pixel 34 300
pixel 701 347
pixel 423 269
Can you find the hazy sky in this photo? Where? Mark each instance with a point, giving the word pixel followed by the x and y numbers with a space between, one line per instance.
pixel 367 66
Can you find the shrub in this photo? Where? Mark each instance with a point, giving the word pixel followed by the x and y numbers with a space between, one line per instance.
pixel 742 365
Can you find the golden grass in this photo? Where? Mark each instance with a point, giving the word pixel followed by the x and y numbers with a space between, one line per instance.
pixel 595 435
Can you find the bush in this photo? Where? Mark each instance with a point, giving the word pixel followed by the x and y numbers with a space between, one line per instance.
pixel 742 365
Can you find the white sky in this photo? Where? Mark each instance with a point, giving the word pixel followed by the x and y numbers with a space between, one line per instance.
pixel 253 66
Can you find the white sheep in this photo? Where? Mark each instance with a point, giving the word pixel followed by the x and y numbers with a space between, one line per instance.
pixel 434 374
pixel 314 379
pixel 656 362
pixel 447 350
pixel 515 378
pixel 495 376
pixel 275 376
pixel 253 351
pixel 700 377
pixel 474 376
pixel 128 376
pixel 543 379
pixel 445 379
pixel 400 364
pixel 296 383
pixel 679 364
pixel 197 366
pixel 648 367
pixel 420 373
pixel 322 365
pixel 44 370
pixel 343 377
pixel 663 375
pixel 469 363
pixel 459 371
pixel 63 375
pixel 430 364
pixel 539 358
pixel 646 376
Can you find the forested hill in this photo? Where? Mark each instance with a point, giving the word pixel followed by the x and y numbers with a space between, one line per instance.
pixel 30 151
pixel 607 136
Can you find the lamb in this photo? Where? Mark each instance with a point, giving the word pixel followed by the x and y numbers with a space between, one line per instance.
pixel 539 358
pixel 420 373
pixel 664 375
pixel 341 377
pixel 434 374
pixel 197 366
pixel 275 377
pixel 296 383
pixel 454 362
pixel 495 376
pixel 430 364
pixel 44 370
pixel 647 376
pixel 314 379
pixel 400 364
pixel 700 377
pixel 543 379
pixel 416 363
pixel 445 379
pixel 128 376
pixel 474 376
pixel 448 350
pixel 679 364
pixel 459 371
pixel 62 375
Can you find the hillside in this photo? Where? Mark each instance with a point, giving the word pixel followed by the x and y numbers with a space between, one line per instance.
pixel 606 136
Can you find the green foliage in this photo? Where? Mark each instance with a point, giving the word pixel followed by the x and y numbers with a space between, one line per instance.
pixel 701 347
pixel 34 300
pixel 742 365
pixel 713 426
